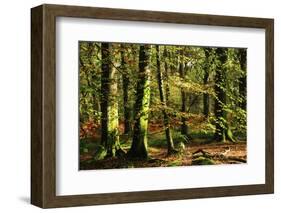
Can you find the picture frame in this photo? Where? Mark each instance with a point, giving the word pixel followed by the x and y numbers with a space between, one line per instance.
pixel 43 105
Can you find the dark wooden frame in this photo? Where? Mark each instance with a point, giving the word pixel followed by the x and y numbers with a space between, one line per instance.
pixel 43 106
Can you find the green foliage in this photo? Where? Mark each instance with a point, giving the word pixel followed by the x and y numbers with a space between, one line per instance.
pixel 202 134
pixel 89 82
pixel 183 139
pixel 86 146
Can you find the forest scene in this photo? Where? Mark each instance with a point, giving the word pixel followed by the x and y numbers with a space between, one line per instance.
pixel 149 105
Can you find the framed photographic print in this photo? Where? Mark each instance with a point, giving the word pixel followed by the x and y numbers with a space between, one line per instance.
pixel 136 106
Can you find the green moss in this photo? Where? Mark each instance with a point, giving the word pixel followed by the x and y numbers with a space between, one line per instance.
pixel 202 161
pixel 113 143
pixel 145 110
pixel 175 163
pixel 100 153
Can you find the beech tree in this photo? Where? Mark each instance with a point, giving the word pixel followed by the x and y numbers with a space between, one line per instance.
pixel 139 144
pixel 109 103
pixel 223 131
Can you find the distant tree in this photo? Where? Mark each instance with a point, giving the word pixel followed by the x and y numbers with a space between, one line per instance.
pixel 166 73
pixel 139 144
pixel 169 138
pixel 207 65
pixel 184 127
pixel 126 82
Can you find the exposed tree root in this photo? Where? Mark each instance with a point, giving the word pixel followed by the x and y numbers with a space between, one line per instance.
pixel 237 159
pixel 173 152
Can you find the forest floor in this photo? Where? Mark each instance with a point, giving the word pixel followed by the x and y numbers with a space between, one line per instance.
pixel 195 153
pixel 198 150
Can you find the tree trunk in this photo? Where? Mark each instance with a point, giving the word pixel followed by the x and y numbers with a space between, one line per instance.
pixel 222 130
pixel 242 79
pixel 184 127
pixel 139 145
pixel 170 143
pixel 126 82
pixel 166 75
pixel 104 92
pixel 109 103
pixel 206 98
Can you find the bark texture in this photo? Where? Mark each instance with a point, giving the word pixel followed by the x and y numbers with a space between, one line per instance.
pixel 139 144
pixel 109 103
pixel 243 78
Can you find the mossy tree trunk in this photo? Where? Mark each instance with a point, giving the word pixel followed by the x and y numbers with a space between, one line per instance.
pixel 105 57
pixel 109 103
pixel 126 82
pixel 223 131
pixel 169 138
pixel 184 127
pixel 206 98
pixel 243 78
pixel 139 144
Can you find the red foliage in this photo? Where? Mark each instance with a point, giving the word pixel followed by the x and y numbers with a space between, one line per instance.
pixel 89 129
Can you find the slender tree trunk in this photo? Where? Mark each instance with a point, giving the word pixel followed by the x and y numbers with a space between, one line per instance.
pixel 166 75
pixel 95 95
pixel 169 138
pixel 221 133
pixel 184 127
pixel 109 103
pixel 139 145
pixel 126 82
pixel 242 79
pixel 206 98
